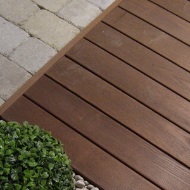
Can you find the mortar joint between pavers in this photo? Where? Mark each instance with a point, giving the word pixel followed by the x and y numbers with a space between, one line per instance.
pixel 95 5
pixel 25 20
pixel 17 64
pixel 8 56
pixel 68 21
pixel 64 5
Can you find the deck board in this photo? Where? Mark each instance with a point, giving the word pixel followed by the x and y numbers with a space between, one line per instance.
pixel 146 90
pixel 150 36
pixel 160 18
pixel 99 167
pixel 118 97
pixel 121 143
pixel 141 58
pixel 179 7
pixel 121 107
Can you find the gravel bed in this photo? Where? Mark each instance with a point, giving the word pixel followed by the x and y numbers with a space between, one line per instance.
pixel 82 184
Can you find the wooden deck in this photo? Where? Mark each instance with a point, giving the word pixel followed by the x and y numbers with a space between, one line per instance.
pixel 118 97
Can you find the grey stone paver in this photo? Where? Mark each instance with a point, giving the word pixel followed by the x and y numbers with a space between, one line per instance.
pixel 17 10
pixel 102 4
pixel 1 102
pixel 79 12
pixel 11 77
pixel 32 54
pixel 51 5
pixel 11 36
pixel 50 29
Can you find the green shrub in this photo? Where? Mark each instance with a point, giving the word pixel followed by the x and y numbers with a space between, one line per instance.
pixel 31 159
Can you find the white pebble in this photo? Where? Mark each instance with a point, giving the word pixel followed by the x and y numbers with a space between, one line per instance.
pixel 78 177
pixel 80 184
pixel 90 187
pixel 95 188
pixel 86 183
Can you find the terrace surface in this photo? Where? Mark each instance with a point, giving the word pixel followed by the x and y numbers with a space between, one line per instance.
pixel 118 97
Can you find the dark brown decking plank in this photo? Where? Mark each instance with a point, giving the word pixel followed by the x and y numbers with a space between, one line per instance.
pixel 150 36
pixel 153 132
pixel 160 18
pixel 141 58
pixel 178 7
pixel 123 144
pixel 124 109
pixel 132 82
pixel 91 161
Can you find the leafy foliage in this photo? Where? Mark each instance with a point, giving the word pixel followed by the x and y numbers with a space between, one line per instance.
pixel 31 159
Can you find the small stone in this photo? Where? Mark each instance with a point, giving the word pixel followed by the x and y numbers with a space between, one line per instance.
pixel 90 186
pixel 86 183
pixel 95 188
pixel 80 184
pixel 78 177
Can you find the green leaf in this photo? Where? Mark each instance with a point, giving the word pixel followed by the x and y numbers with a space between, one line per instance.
pixel 45 175
pixel 31 184
pixel 32 164
pixel 17 186
pixel 7 171
pixel 14 177
pixel 43 182
pixel 50 166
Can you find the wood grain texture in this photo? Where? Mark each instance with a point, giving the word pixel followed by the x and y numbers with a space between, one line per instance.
pixel 141 58
pixel 178 7
pixel 160 18
pixel 123 108
pixel 132 82
pixel 91 161
pixel 118 141
pixel 150 36
pixel 110 99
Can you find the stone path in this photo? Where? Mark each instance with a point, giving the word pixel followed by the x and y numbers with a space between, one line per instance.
pixel 32 31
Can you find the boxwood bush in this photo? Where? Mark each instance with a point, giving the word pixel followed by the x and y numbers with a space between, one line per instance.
pixel 31 159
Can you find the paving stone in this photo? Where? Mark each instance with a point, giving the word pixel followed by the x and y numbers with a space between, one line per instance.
pixel 32 54
pixel 1 102
pixel 17 10
pixel 79 12
pixel 12 77
pixel 11 36
pixel 102 4
pixel 50 29
pixel 52 5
